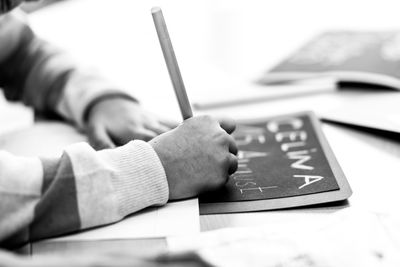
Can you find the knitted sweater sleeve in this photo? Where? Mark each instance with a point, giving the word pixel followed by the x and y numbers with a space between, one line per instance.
pixel 41 198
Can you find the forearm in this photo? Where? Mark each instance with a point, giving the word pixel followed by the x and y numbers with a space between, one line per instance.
pixel 46 78
pixel 83 189
pixel 23 66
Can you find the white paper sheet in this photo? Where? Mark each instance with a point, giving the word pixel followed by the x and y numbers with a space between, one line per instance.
pixel 348 238
pixel 173 219
pixel 376 110
pixel 244 93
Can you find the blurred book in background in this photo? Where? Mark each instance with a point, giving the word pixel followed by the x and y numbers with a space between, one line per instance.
pixel 352 58
pixel 365 62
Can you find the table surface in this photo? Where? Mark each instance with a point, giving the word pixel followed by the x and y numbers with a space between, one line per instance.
pixel 223 41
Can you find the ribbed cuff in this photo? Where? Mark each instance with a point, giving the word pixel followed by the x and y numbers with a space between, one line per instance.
pixel 138 178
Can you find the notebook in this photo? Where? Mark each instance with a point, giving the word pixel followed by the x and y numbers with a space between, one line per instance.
pixel 352 58
pixel 284 161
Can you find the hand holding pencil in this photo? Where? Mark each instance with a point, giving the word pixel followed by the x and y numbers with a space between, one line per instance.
pixel 200 154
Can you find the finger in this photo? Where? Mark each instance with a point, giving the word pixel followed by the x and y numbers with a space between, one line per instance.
pixel 233 164
pixel 122 136
pixel 132 132
pixel 99 139
pixel 158 128
pixel 229 125
pixel 169 123
pixel 233 148
pixel 144 134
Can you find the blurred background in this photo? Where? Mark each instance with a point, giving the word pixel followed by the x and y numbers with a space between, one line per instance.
pixel 220 45
pixel 215 41
pixel 241 37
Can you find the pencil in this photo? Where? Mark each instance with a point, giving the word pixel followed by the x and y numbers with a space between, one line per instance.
pixel 171 62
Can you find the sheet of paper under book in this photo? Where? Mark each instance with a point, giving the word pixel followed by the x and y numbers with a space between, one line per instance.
pixel 173 219
pixel 378 112
pixel 284 162
pixel 350 237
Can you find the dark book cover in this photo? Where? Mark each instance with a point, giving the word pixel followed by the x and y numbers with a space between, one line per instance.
pixel 284 161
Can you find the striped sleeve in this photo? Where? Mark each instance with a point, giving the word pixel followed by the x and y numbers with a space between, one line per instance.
pixel 41 198
pixel 44 77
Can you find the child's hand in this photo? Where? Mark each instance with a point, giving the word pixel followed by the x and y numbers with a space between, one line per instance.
pixel 116 121
pixel 198 156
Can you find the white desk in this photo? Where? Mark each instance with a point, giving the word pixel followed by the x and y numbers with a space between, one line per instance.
pixel 218 41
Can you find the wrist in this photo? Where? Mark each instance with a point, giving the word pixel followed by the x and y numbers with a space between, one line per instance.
pixel 100 99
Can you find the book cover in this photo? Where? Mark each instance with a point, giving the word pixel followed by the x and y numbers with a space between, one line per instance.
pixel 284 162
